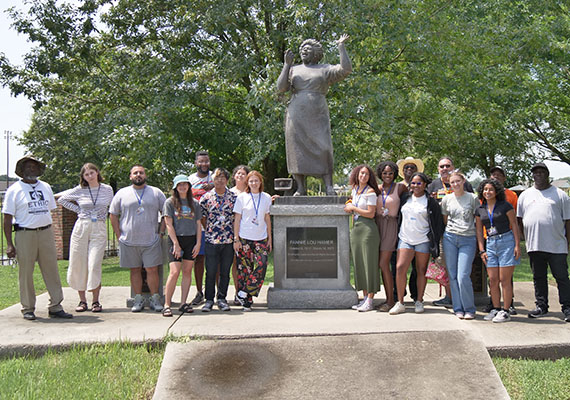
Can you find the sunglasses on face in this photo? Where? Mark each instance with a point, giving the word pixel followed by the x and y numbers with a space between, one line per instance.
pixel 445 166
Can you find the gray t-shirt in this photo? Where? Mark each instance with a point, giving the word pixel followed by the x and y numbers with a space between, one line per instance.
pixel 543 213
pixel 460 213
pixel 184 221
pixel 139 214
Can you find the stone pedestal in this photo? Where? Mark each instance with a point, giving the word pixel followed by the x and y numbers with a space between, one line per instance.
pixel 311 254
pixel 479 280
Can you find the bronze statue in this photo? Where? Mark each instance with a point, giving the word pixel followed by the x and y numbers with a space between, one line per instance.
pixel 308 141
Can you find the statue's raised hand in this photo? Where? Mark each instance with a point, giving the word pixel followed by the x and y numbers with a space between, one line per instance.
pixel 343 38
pixel 289 56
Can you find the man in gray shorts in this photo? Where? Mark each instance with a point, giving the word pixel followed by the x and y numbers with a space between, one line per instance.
pixel 134 213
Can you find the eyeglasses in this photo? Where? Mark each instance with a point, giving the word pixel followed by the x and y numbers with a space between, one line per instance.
pixel 416 183
pixel 445 166
pixel 410 167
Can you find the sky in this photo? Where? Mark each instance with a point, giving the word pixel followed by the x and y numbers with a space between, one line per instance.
pixel 16 112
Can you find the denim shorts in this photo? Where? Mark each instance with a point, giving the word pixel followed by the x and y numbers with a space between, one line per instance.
pixel 420 248
pixel 501 250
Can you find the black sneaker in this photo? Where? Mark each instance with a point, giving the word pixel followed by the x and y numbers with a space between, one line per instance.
pixel 223 305
pixel 567 315
pixel 198 299
pixel 537 312
pixel 247 305
pixel 60 314
pixel 488 308
pixel 512 310
pixel 30 316
pixel 208 306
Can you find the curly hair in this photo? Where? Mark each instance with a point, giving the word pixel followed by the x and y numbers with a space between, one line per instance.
pixel 353 178
pixel 499 189
pixel 380 168
pixel 317 48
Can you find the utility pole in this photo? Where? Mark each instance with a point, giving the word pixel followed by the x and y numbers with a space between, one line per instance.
pixel 8 136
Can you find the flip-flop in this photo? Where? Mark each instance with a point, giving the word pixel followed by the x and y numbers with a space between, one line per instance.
pixel 166 312
pixel 82 306
pixel 96 307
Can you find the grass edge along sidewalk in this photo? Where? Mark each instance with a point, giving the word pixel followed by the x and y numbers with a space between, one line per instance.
pixel 128 370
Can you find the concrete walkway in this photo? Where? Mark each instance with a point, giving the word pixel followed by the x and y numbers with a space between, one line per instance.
pixel 548 337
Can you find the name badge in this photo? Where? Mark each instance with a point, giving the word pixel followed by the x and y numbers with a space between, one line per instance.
pixel 492 231
pixel 140 210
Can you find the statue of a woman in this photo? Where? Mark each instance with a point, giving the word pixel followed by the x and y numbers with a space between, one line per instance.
pixel 308 141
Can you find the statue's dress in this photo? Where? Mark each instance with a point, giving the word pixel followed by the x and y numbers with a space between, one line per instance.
pixel 308 139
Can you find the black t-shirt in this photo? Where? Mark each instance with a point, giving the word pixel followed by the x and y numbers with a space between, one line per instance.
pixel 500 219
pixel 437 186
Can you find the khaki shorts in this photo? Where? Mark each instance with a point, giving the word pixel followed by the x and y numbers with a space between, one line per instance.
pixel 140 256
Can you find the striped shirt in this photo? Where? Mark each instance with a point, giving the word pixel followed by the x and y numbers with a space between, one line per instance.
pixel 86 202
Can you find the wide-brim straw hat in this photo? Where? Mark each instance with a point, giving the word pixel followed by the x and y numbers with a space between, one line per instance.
pixel 409 160
pixel 22 161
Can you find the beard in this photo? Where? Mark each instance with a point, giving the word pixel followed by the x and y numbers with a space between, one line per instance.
pixel 138 181
pixel 203 169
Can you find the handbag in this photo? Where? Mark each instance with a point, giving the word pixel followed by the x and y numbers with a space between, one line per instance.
pixel 437 272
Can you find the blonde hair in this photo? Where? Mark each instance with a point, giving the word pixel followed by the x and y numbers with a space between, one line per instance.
pixel 457 173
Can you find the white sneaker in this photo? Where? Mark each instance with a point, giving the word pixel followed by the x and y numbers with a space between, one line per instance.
pixel 366 306
pixel 138 303
pixel 398 308
pixel 154 303
pixel 492 314
pixel 502 316
pixel 355 307
pixel 419 307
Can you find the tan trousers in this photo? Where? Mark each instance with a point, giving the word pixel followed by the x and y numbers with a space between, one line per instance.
pixel 32 246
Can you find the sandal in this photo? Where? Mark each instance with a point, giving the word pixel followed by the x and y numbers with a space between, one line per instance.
pixel 185 308
pixel 96 307
pixel 385 307
pixel 82 306
pixel 166 312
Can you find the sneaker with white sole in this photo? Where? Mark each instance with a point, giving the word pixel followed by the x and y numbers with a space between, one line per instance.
pixel 366 306
pixel 398 308
pixel 355 307
pixel 492 314
pixel 138 303
pixel 469 316
pixel 502 316
pixel 419 307
pixel 154 303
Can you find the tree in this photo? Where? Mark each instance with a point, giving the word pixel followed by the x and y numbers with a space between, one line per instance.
pixel 123 82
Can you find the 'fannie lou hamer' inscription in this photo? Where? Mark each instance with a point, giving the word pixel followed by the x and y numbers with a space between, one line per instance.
pixel 312 253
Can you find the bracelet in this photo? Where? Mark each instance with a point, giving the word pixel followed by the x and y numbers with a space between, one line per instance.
pixel 481 252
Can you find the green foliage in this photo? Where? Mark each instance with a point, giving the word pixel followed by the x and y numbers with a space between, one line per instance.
pixel 124 82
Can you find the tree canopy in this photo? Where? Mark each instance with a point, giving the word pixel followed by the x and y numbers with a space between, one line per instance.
pixel 119 82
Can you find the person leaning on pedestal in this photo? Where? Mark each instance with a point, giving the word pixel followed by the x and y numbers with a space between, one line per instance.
pixel 364 236
pixel 27 209
pixel 252 238
pixel 90 200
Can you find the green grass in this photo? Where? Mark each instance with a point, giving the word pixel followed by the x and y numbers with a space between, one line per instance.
pixel 111 371
pixel 535 380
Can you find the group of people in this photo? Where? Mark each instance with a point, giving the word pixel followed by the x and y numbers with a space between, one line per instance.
pixel 204 220
pixel 418 220
pixel 230 229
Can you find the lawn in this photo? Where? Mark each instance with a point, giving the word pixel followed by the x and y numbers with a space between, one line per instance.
pixel 90 372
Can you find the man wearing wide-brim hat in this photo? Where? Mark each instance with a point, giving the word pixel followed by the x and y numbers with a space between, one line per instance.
pixel 408 166
pixel 27 210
